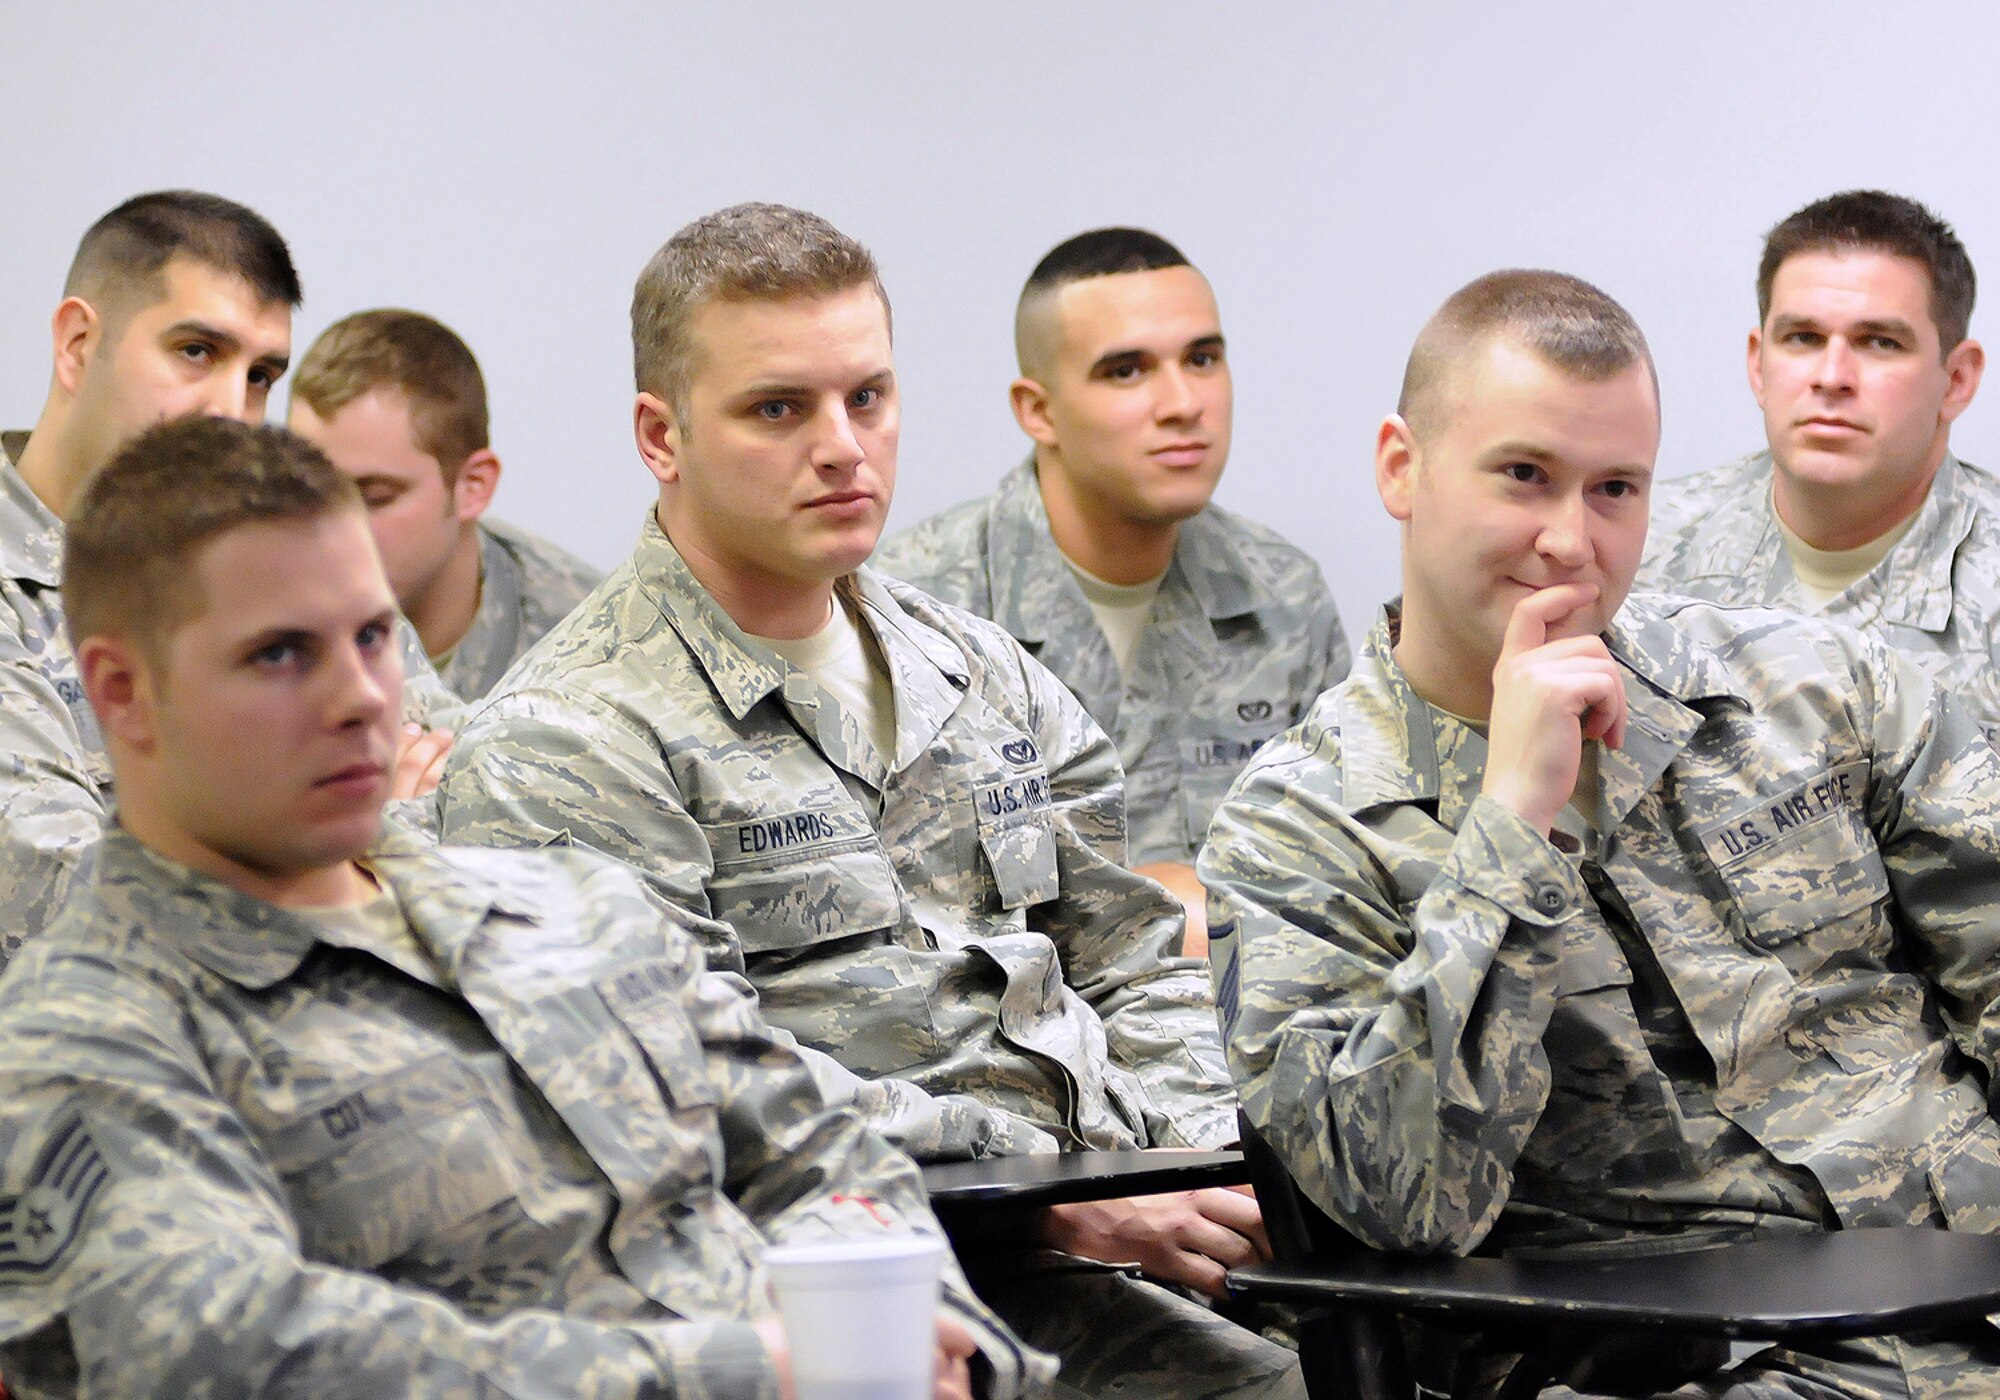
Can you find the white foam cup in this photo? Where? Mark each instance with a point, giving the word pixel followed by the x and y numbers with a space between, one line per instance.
pixel 860 1315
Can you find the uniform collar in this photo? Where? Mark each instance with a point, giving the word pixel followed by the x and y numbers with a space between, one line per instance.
pixel 1397 748
pixel 1743 561
pixel 31 535
pixel 927 673
pixel 256 944
pixel 1207 562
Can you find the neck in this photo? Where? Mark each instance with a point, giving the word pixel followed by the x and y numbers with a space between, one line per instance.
pixel 764 605
pixel 325 886
pixel 49 460
pixel 1115 548
pixel 444 612
pixel 1848 515
pixel 1437 671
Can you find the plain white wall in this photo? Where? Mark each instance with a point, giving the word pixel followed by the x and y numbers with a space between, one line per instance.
pixel 1336 170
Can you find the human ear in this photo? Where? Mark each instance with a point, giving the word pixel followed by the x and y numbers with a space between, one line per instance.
pixel 658 434
pixel 1395 465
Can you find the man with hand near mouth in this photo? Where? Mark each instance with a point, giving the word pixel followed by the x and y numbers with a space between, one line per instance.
pixel 1596 926
pixel 1857 511
pixel 1188 632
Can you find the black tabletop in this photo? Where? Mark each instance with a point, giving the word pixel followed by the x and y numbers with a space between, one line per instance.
pixel 1052 1178
pixel 1843 1281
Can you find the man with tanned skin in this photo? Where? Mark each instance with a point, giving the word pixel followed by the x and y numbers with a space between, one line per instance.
pixel 1190 633
pixel 177 304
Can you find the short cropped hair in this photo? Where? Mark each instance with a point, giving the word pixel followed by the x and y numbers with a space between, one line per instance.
pixel 413 354
pixel 1876 221
pixel 122 259
pixel 133 533
pixel 1564 319
pixel 1101 252
pixel 747 252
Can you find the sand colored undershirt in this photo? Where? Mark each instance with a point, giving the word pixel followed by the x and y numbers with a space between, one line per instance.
pixel 845 663
pixel 1825 574
pixel 1121 610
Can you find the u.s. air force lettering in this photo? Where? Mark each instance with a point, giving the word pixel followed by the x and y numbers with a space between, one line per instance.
pixel 1820 798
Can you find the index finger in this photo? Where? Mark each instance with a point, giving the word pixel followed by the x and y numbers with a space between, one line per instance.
pixel 1528 626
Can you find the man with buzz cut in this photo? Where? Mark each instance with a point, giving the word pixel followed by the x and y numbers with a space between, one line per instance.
pixel 1856 511
pixel 296 1104
pixel 177 304
pixel 396 400
pixel 1190 633
pixel 1594 924
pixel 881 812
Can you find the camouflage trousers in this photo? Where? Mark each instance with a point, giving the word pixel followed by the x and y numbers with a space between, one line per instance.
pixel 1121 1338
pixel 1962 1365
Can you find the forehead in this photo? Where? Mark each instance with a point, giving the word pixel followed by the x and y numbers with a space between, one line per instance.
pixel 1166 307
pixel 792 340
pixel 1856 283
pixel 307 575
pixel 372 432
pixel 1504 393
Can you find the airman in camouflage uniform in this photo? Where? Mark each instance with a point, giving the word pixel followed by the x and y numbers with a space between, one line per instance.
pixel 1243 636
pixel 512 1141
pixel 526 586
pixel 53 780
pixel 936 910
pixel 397 401
pixel 1861 364
pixel 1189 633
pixel 1745 980
pixel 291 1104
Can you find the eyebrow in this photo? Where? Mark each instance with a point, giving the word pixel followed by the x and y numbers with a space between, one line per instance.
pixel 1889 325
pixel 1135 352
pixel 1527 452
pixel 777 389
pixel 203 330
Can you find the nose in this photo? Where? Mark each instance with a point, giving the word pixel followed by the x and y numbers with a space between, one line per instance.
pixel 364 682
pixel 837 447
pixel 1565 534
pixel 225 396
pixel 1177 401
pixel 1833 368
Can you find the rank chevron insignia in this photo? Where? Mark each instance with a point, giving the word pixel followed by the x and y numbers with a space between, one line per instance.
pixel 37 1226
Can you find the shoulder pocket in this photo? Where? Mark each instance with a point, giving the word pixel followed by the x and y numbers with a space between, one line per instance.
pixel 1017 839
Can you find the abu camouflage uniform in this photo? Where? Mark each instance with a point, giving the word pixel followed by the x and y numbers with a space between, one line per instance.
pixel 55 783
pixel 948 931
pixel 1935 597
pixel 1243 636
pixel 531 1148
pixel 1762 998
pixel 526 586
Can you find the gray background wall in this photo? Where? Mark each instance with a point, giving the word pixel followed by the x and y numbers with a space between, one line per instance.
pixel 1335 169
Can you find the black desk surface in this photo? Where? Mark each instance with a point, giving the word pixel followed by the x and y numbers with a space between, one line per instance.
pixel 1052 1178
pixel 1845 1281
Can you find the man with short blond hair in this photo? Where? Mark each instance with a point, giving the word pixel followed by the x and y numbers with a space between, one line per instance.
pixel 1596 925
pixel 297 1103
pixel 177 304
pixel 397 401
pixel 901 830
pixel 1857 510
pixel 1189 632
